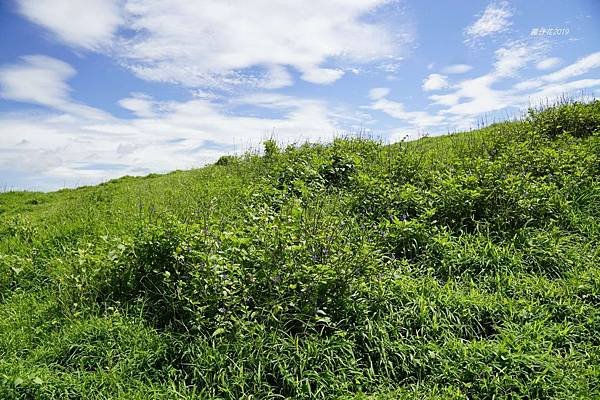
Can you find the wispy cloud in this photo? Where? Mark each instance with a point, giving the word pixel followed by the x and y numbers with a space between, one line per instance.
pixel 378 93
pixel 397 110
pixel 37 79
pixel 215 43
pixel 140 105
pixel 277 76
pixel 548 63
pixel 87 24
pixel 516 55
pixel 475 96
pixel 42 80
pixel 472 97
pixel 495 19
pixel 499 89
pixel 457 69
pixel 580 67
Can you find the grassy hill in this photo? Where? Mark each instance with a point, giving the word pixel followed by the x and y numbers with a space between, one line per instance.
pixel 464 266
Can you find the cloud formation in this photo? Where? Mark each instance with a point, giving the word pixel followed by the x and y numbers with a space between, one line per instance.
pixel 499 89
pixel 548 63
pixel 88 24
pixel 495 19
pixel 472 97
pixel 378 93
pixel 214 43
pixel 457 69
pixel 42 80
pixel 435 82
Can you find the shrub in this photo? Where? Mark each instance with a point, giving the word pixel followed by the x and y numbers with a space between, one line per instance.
pixel 226 160
pixel 338 170
pixel 576 119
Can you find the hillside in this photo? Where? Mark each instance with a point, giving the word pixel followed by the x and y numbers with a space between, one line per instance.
pixel 464 266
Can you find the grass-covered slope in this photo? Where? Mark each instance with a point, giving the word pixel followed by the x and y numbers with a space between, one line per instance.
pixel 464 266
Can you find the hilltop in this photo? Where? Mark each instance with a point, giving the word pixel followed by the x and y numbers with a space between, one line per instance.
pixel 463 266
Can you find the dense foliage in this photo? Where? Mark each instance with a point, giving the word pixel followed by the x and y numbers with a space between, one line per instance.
pixel 463 266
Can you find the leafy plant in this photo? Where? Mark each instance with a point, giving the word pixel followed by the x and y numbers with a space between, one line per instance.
pixel 462 266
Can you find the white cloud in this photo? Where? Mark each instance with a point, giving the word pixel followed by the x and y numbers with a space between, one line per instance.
pixel 37 79
pixel 392 66
pixel 473 97
pixel 469 99
pixel 548 63
pixel 480 97
pixel 445 99
pixel 322 75
pixel 378 93
pixel 42 80
pixel 457 69
pixel 580 67
pixel 476 96
pixel 528 84
pixel 435 82
pixel 495 19
pixel 553 91
pixel 277 77
pixel 514 56
pixel 214 43
pixel 89 24
pixel 140 104
pixel 418 119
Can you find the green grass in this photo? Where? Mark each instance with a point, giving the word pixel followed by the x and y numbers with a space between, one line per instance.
pixel 459 267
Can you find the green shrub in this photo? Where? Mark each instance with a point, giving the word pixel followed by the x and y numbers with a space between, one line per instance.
pixel 226 160
pixel 338 171
pixel 576 119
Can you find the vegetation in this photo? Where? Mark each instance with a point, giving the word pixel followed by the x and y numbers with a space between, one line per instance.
pixel 460 267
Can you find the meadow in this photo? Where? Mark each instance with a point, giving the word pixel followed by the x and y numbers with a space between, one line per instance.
pixel 458 267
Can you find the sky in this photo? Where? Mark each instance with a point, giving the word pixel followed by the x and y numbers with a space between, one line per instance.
pixel 91 90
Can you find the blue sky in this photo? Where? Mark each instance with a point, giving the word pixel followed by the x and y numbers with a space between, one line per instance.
pixel 96 89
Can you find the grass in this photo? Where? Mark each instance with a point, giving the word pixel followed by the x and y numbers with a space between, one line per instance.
pixel 458 267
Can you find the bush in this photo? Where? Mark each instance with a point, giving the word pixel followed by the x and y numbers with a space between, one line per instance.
pixel 226 160
pixel 576 119
pixel 338 171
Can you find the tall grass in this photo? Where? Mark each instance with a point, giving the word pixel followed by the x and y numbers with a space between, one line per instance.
pixel 463 266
